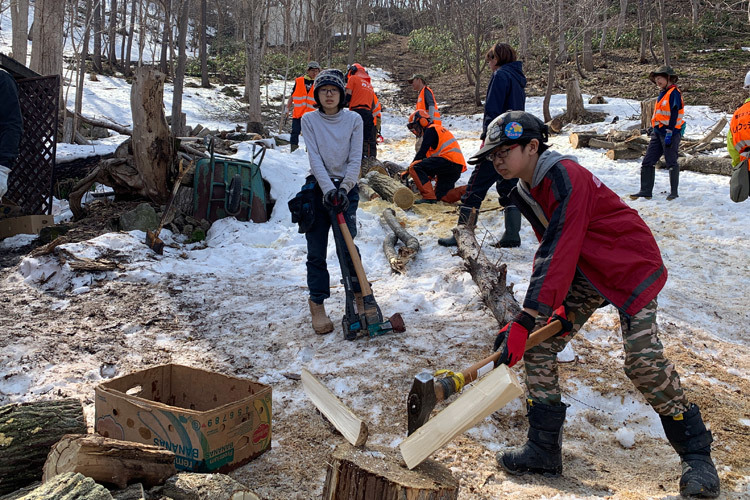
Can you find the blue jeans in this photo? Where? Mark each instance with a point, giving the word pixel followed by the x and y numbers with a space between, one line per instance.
pixel 318 279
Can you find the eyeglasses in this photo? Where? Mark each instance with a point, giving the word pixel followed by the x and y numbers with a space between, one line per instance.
pixel 497 155
pixel 329 91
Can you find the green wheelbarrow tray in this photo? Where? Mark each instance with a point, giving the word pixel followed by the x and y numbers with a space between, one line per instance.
pixel 224 187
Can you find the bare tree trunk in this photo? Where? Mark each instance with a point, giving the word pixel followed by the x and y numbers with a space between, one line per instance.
pixel 621 19
pixel 47 47
pixel 165 36
pixel 97 56
pixel 562 51
pixel 112 33
pixel 82 68
pixel 179 77
pixel 19 14
pixel 603 40
pixel 523 46
pixel 575 107
pixel 353 17
pixel 128 53
pixel 142 14
pixel 664 40
pixel 695 6
pixel 644 32
pixel 550 81
pixel 204 46
pixel 588 52
pixel 256 24
pixel 123 29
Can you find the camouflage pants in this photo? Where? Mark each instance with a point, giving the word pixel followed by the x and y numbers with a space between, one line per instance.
pixel 651 373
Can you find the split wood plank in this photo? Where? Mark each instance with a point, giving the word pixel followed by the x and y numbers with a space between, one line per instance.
pixel 489 394
pixel 343 419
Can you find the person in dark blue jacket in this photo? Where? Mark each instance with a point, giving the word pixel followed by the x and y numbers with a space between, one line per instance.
pixel 11 127
pixel 505 92
pixel 667 127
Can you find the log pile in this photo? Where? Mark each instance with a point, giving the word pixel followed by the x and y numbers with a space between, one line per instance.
pixel 397 259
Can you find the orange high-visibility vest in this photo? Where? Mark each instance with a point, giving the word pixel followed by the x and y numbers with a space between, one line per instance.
pixel 303 100
pixel 740 127
pixel 447 147
pixel 436 119
pixel 662 113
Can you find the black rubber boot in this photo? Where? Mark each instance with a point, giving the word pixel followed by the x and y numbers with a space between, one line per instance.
pixel 674 181
pixel 511 238
pixel 542 453
pixel 464 214
pixel 648 174
pixel 692 441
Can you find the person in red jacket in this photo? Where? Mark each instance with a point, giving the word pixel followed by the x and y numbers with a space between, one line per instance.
pixel 593 250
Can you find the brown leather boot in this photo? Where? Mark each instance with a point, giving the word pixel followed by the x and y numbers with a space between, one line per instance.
pixel 320 321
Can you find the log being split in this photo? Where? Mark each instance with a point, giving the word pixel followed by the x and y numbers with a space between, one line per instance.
pixel 27 432
pixel 342 418
pixel 107 460
pixel 489 278
pixel 391 190
pixel 398 259
pixel 376 473
pixel 489 394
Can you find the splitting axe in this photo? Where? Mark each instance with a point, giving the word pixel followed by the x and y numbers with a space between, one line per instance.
pixel 152 237
pixel 426 391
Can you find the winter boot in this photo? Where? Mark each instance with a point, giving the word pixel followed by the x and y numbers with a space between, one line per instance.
pixel 542 453
pixel 511 238
pixel 465 216
pixel 692 441
pixel 320 321
pixel 648 175
pixel 674 181
pixel 294 147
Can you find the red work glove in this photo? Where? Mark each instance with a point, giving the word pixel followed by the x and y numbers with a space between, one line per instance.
pixel 512 338
pixel 562 315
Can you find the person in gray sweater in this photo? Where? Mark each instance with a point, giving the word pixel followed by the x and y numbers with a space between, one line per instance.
pixel 333 137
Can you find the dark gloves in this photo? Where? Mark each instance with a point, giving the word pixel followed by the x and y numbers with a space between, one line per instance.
pixel 336 199
pixel 513 337
pixel 668 138
pixel 562 315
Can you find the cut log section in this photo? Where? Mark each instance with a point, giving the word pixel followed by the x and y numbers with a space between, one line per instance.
pixel 27 432
pixel 107 460
pixel 343 419
pixel 489 278
pixel 391 190
pixel 190 485
pixel 376 473
pixel 370 164
pixel 623 154
pixel 69 486
pixel 398 259
pixel 366 193
pixel 489 394
pixel 704 164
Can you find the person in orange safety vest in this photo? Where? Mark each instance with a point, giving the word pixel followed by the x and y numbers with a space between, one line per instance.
pixel 667 129
pixel 438 158
pixel 361 100
pixel 738 146
pixel 301 101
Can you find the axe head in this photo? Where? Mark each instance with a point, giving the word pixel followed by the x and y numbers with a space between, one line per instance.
pixel 421 401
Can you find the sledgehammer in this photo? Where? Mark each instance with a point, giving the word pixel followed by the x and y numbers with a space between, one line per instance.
pixel 426 391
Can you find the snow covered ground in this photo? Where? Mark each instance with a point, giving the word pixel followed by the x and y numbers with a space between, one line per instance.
pixel 238 304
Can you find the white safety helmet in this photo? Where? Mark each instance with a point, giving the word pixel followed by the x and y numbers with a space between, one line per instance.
pixel 747 80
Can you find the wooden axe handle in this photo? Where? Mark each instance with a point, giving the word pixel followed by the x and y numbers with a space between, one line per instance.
pixel 358 268
pixel 537 337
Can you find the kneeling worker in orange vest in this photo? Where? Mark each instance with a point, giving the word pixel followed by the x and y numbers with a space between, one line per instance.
pixel 438 158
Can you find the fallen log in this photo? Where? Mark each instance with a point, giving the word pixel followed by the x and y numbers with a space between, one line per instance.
pixel 595 142
pixel 108 460
pixel 370 164
pixel 398 259
pixel 366 192
pixel 343 419
pixel 703 164
pixel 27 432
pixel 376 473
pixel 623 154
pixel 394 169
pixel 69 486
pixel 490 279
pixel 191 486
pixel 583 139
pixel 391 190
pixel 705 141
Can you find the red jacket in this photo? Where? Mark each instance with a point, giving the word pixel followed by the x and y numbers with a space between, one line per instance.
pixel 582 224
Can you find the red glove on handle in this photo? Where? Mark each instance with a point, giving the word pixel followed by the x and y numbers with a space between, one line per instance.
pixel 562 315
pixel 512 338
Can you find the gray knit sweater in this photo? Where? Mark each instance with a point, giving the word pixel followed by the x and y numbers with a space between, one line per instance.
pixel 334 147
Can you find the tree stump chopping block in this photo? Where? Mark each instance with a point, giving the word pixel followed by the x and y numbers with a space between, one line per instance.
pixel 27 432
pixel 391 190
pixel 376 473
